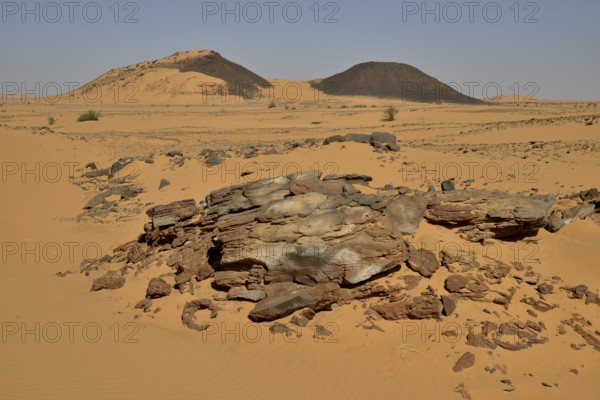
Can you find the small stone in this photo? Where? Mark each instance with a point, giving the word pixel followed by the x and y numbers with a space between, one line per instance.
pixel 449 303
pixel 300 320
pixel 175 153
pixel 545 288
pixel 467 360
pixel 157 288
pixel 283 329
pixel 321 332
pixel 163 183
pixel 110 281
pixel 143 304
pixel 455 283
pixel 448 186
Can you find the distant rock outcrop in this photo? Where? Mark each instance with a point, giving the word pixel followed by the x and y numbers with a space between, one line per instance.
pixel 391 80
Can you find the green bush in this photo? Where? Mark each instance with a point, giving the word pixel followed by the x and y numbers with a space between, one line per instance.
pixel 51 120
pixel 272 104
pixel 89 116
pixel 389 114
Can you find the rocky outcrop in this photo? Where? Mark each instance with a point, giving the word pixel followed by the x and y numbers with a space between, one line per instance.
pixel 584 204
pixel 421 307
pixel 310 231
pixel 304 243
pixel 173 213
pixel 483 214
pixel 381 141
pixel 304 233
pixel 514 335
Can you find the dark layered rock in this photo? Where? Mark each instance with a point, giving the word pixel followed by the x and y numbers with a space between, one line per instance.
pixel 584 329
pixel 241 293
pixel 483 214
pixel 421 307
pixel 317 298
pixel 457 260
pixel 172 213
pixel 379 140
pixel 123 192
pixel 514 335
pixel 307 230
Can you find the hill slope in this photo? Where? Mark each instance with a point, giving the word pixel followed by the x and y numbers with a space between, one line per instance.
pixel 391 80
pixel 194 72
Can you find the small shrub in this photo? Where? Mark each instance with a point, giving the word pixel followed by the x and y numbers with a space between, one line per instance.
pixel 272 104
pixel 89 116
pixel 389 114
pixel 51 120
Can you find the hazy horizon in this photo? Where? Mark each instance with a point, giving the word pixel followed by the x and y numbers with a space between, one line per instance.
pixel 454 42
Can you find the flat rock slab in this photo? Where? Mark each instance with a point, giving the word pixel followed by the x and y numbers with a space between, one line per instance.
pixel 282 304
pixel 172 213
pixel 465 361
pixel 481 214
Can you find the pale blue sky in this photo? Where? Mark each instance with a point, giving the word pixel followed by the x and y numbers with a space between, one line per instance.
pixel 559 53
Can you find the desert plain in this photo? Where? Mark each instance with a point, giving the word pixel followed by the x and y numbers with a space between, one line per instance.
pixel 521 325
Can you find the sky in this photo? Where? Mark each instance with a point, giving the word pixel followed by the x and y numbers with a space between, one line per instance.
pixel 545 48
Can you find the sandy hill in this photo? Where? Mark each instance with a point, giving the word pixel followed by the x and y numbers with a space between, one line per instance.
pixel 185 75
pixel 204 76
pixel 391 80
